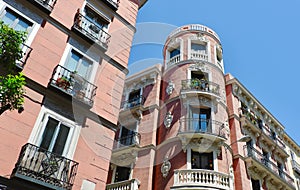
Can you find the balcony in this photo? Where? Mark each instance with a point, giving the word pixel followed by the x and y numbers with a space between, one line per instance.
pixel 202 179
pixel 91 31
pixel 46 5
pixel 129 140
pixel 74 85
pixel 26 50
pixel 256 162
pixel 199 55
pixel 296 167
pixel 133 103
pixel 250 122
pixel 113 4
pixel 174 60
pixel 192 87
pixel 207 133
pixel 45 168
pixel 132 184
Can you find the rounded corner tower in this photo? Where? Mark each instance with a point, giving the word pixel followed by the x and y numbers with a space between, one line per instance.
pixel 193 118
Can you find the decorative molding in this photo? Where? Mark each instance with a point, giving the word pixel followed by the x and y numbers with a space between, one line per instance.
pixel 168 119
pixel 199 65
pixel 165 167
pixel 199 37
pixel 170 87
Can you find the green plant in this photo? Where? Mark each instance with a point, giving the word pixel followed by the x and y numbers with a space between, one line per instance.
pixel 12 92
pixel 12 84
pixel 195 83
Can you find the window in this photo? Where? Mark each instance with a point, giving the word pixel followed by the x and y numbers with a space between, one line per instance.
pixel 198 47
pixel 265 158
pixel 260 123
pixel 202 160
pixel 128 136
pixel 134 98
pixel 174 52
pixel 16 21
pixel 255 184
pixel 122 174
pixel 280 169
pixel 95 18
pixel 54 136
pixel 273 134
pixel 78 63
pixel 200 119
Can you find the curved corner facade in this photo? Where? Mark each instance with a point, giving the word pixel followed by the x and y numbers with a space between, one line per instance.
pixel 193 113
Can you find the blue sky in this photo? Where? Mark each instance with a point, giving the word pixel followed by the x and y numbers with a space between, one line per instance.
pixel 260 39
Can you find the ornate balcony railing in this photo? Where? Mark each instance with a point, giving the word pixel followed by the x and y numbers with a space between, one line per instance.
pixel 254 120
pixel 74 85
pixel 199 55
pixel 114 4
pixel 91 30
pixel 268 164
pixel 48 5
pixel 132 184
pixel 45 168
pixel 200 85
pixel 207 126
pixel 296 166
pixel 201 178
pixel 133 139
pixel 26 50
pixel 131 103
pixel 174 60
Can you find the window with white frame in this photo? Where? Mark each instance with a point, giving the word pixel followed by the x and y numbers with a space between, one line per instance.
pixel 16 21
pixel 198 50
pixel 96 18
pixel 78 63
pixel 55 135
pixel 128 135
pixel 202 160
pixel 122 173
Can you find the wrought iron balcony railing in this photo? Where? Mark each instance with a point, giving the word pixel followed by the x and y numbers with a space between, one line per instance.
pixel 74 85
pixel 91 30
pixel 133 139
pixel 201 178
pixel 200 85
pixel 26 50
pixel 272 167
pixel 133 102
pixel 114 4
pixel 45 168
pixel 254 120
pixel 132 184
pixel 207 126
pixel 48 5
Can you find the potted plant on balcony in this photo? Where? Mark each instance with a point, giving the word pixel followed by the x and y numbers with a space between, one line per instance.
pixel 195 83
pixel 63 82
